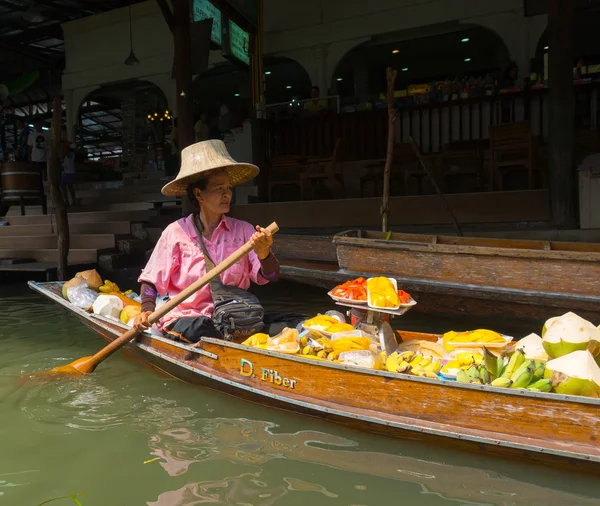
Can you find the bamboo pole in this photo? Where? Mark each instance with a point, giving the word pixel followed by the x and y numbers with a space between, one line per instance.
pixel 385 205
pixel 60 208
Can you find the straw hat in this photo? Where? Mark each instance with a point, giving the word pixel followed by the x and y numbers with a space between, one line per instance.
pixel 200 159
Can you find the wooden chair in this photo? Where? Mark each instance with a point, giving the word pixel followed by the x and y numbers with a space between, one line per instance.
pixel 328 169
pixel 405 166
pixel 287 171
pixel 461 158
pixel 512 147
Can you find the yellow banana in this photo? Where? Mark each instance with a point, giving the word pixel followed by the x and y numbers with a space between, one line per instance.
pixel 416 360
pixel 426 361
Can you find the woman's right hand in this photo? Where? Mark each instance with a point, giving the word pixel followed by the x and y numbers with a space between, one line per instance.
pixel 141 321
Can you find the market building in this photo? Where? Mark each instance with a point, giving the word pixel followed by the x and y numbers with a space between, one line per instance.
pixel 299 88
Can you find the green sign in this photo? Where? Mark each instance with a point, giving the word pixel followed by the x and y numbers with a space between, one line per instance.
pixel 203 9
pixel 239 43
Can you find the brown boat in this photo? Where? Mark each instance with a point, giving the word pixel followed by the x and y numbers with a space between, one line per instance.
pixel 527 279
pixel 546 428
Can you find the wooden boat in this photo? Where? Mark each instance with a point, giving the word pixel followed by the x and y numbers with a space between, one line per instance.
pixel 530 280
pixel 545 428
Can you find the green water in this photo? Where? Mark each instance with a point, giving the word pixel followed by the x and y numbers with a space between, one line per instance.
pixel 129 436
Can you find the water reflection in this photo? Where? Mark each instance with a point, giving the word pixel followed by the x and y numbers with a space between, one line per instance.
pixel 251 445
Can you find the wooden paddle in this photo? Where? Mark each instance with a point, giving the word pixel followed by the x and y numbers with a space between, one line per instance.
pixel 87 365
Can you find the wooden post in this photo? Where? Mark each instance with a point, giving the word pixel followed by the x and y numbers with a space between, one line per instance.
pixel 385 205
pixel 60 208
pixel 561 113
pixel 183 79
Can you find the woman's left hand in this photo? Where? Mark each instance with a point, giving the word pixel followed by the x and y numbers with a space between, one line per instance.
pixel 261 242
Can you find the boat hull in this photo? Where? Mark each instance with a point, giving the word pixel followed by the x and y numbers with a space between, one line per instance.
pixel 544 428
pixel 486 278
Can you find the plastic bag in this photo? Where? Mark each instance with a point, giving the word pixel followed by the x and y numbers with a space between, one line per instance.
pixel 361 358
pixel 82 296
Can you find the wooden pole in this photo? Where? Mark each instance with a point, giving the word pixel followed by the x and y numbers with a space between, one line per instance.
pixel 561 114
pixel 183 79
pixel 385 205
pixel 60 208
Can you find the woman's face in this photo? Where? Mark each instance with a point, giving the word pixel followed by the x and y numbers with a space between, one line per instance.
pixel 216 197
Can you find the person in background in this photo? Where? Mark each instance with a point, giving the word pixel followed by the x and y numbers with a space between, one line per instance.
pixel 39 145
pixel 201 128
pixel 315 104
pixel 509 79
pixel 68 177
pixel 224 121
pixel 22 151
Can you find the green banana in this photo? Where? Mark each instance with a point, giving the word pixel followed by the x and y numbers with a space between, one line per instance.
pixel 462 377
pixel 502 382
pixel 542 385
pixel 533 389
pixel 538 373
pixel 473 372
pixel 528 364
pixel 500 366
pixel 490 362
pixel 514 363
pixel 523 378
pixel 484 374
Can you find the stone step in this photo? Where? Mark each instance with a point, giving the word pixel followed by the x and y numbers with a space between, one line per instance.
pixel 31 243
pixel 111 262
pixel 85 217
pixel 76 256
pixel 106 227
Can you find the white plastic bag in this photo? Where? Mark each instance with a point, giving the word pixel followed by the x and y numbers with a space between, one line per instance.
pixel 82 296
pixel 361 358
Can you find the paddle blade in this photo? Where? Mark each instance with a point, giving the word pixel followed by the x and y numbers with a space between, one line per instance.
pixel 84 365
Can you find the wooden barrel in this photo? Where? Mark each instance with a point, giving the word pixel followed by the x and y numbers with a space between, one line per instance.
pixel 20 180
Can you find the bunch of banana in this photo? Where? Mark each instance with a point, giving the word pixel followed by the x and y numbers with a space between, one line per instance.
pixel 466 358
pixel 399 362
pixel 426 367
pixel 475 374
pixel 111 287
pixel 528 375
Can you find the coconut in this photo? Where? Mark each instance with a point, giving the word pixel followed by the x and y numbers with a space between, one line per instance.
pixel 574 374
pixel 93 279
pixel 549 322
pixel 570 333
pixel 76 281
pixel 533 347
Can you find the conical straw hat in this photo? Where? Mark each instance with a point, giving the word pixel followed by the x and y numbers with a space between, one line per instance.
pixel 200 159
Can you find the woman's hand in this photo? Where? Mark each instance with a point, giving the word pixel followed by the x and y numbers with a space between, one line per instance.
pixel 261 242
pixel 141 321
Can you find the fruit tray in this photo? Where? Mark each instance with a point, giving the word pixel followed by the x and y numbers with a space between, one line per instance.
pixel 346 301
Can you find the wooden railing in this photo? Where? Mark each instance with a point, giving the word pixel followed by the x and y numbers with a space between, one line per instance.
pixel 432 125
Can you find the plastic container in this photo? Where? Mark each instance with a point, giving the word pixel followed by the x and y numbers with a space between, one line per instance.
pixel 395 283
pixel 347 333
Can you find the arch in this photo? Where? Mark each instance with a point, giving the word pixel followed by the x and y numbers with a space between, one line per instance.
pixel 441 54
pixel 103 120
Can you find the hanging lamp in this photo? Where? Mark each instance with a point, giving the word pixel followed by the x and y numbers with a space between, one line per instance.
pixel 131 60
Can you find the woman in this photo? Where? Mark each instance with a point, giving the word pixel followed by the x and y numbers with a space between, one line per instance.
pixel 188 248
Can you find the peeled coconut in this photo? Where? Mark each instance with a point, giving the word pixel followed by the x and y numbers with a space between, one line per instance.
pixel 569 333
pixel 533 347
pixel 92 277
pixel 574 374
pixel 76 281
pixel 108 305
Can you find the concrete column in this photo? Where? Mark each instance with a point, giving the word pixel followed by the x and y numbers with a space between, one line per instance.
pixel 71 114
